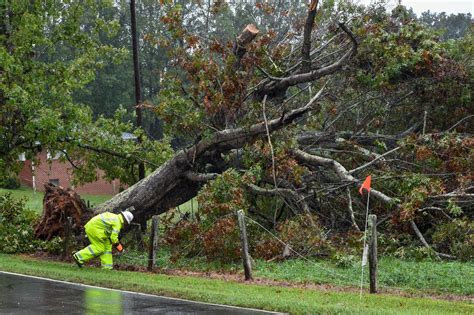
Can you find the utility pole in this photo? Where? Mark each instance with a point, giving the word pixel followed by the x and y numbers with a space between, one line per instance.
pixel 138 93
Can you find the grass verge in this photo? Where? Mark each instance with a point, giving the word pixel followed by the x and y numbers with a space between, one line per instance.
pixel 34 200
pixel 414 277
pixel 292 300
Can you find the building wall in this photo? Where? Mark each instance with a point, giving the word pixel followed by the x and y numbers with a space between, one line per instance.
pixel 60 173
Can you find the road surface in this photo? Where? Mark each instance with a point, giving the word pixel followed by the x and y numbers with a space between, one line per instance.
pixel 20 294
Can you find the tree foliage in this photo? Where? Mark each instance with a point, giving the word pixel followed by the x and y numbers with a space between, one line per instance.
pixel 395 94
pixel 283 120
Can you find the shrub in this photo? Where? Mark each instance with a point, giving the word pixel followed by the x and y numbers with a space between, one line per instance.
pixel 342 260
pixel 456 237
pixel 54 246
pixel 417 253
pixel 10 183
pixel 222 241
pixel 267 248
pixel 16 231
pixel 223 195
pixel 183 238
pixel 303 237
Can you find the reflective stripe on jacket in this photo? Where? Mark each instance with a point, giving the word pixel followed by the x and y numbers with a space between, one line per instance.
pixel 105 226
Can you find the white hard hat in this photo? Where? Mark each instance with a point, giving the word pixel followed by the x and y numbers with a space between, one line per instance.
pixel 128 216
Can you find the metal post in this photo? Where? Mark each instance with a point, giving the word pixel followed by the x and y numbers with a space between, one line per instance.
pixel 245 246
pixel 136 69
pixel 136 230
pixel 373 253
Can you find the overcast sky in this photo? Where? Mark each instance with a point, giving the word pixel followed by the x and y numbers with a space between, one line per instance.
pixel 453 6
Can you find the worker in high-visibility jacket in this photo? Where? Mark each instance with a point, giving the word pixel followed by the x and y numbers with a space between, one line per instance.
pixel 103 233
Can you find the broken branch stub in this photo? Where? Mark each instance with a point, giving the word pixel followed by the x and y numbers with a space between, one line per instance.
pixel 248 34
pixel 246 37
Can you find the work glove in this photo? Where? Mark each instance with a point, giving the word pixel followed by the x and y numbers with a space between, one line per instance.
pixel 119 247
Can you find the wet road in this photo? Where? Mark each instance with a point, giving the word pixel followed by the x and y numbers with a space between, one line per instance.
pixel 30 295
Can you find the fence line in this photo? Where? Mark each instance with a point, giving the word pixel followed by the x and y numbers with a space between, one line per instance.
pixel 199 236
pixel 351 281
pixel 297 253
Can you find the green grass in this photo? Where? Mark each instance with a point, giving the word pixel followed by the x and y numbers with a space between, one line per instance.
pixel 34 201
pixel 412 276
pixel 415 277
pixel 295 301
pixel 190 206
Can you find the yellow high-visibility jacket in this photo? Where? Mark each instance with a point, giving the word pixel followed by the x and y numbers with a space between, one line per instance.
pixel 105 226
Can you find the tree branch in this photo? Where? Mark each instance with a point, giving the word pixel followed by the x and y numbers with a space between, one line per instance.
pixel 69 159
pixel 234 138
pixel 373 161
pixel 247 36
pixel 340 170
pixel 425 243
pixel 283 192
pixel 278 88
pixel 351 210
pixel 199 177
pixel 108 152
pixel 308 27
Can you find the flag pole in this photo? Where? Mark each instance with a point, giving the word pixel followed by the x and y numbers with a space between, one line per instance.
pixel 365 250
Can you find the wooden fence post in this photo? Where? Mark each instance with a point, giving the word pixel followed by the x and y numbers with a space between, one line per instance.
pixel 373 253
pixel 67 236
pixel 153 242
pixel 137 239
pixel 245 246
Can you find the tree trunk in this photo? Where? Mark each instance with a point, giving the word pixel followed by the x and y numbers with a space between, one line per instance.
pixel 165 188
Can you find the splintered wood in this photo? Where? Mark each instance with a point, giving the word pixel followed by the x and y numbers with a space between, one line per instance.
pixel 58 204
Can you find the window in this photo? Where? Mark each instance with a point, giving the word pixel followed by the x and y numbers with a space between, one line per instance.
pixel 54 181
pixel 22 157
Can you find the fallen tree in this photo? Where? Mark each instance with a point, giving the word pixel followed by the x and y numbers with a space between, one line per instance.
pixel 179 179
pixel 313 122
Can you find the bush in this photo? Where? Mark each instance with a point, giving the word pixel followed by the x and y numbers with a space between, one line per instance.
pixel 456 237
pixel 304 238
pixel 53 246
pixel 416 253
pixel 222 241
pixel 183 239
pixel 10 183
pixel 16 231
pixel 267 248
pixel 342 260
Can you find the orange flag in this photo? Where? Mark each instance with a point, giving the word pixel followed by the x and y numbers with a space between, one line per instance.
pixel 365 185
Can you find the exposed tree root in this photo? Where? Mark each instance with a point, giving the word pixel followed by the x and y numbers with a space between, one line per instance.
pixel 58 204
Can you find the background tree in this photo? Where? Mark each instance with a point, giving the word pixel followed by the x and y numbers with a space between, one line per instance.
pixel 49 51
pixel 453 26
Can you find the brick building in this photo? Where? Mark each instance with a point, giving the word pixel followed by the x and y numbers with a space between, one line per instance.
pixel 52 170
